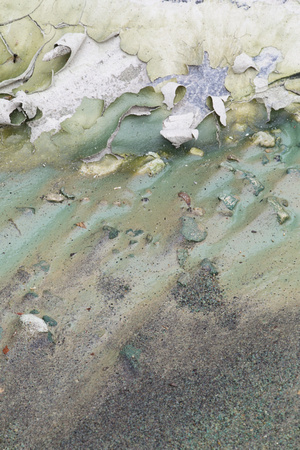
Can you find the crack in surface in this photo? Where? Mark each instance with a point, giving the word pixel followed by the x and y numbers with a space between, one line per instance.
pixel 6 44
pixel 23 17
pixel 39 27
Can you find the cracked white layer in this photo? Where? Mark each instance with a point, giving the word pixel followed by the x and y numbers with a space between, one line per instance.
pixel 102 70
pixel 99 71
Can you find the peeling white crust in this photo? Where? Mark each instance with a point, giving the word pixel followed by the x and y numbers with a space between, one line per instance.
pixel 99 71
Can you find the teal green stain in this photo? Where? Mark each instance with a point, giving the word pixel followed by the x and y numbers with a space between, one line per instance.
pixel 50 337
pixel 42 265
pixel 138 232
pixel 140 135
pixel 134 232
pixel 113 232
pixel 132 355
pixel 36 229
pixel 85 116
pixel 293 171
pixel 31 184
pixel 256 184
pixel 229 201
pixel 31 295
pixel 265 160
pixel 88 142
pixel 17 117
pixel 68 196
pixel 51 322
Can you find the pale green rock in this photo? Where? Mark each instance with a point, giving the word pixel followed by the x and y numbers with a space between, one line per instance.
pixel 153 166
pixel 293 171
pixel 132 355
pixel 196 151
pixel 206 264
pixel 229 201
pixel 264 139
pixel 191 230
pixel 107 165
pixel 50 321
pixel 282 214
pixel 256 184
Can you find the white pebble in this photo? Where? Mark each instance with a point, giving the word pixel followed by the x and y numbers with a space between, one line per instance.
pixel 33 324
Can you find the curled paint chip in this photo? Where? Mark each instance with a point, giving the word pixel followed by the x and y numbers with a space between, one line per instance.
pixel 180 128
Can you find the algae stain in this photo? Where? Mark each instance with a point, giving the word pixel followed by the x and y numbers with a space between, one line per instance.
pixel 132 355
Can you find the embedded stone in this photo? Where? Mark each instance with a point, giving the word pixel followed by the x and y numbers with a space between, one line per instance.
pixel 33 324
pixel 191 230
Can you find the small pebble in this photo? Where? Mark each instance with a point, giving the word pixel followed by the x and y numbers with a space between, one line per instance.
pixel 51 322
pixel 55 198
pixel 232 158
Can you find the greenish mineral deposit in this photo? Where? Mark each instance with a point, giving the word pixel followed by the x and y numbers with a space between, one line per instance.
pixel 191 230
pixel 113 232
pixel 51 322
pixel 256 184
pixel 206 264
pixel 282 214
pixel 131 355
pixel 229 201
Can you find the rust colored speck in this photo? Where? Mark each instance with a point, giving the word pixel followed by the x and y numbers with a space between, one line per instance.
pixel 185 197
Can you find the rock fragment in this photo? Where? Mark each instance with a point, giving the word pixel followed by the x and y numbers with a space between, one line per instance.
pixel 51 322
pixel 264 139
pixel 191 230
pixel 207 265
pixel 257 186
pixel 55 198
pixel 33 324
pixel 229 201
pixel 152 166
pixel 282 214
pixel 196 151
